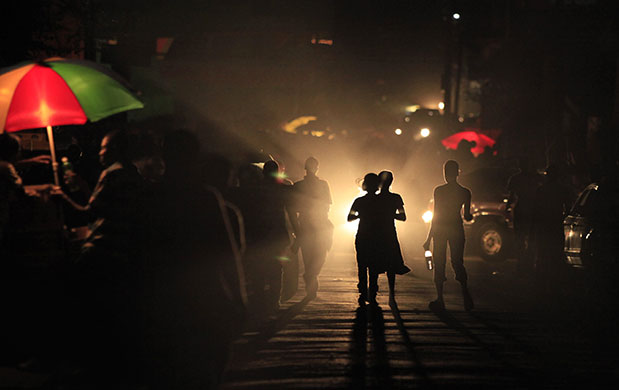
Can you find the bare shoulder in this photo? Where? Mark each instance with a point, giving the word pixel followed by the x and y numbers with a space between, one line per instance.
pixel 465 191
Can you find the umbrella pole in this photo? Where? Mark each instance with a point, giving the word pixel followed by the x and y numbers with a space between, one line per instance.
pixel 52 148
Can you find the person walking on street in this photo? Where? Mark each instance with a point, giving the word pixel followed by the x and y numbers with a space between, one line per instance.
pixel 315 231
pixel 364 209
pixel 390 208
pixel 521 187
pixel 554 200
pixel 449 199
pixel 273 199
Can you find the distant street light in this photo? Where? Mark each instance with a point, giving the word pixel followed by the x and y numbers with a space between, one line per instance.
pixel 441 105
pixel 425 132
pixel 398 131
pixel 456 16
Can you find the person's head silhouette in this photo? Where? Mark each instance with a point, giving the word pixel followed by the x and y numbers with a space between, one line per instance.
pixel 9 147
pixel 181 152
pixel 311 166
pixel 386 179
pixel 270 170
pixel 451 170
pixel 114 148
pixel 370 183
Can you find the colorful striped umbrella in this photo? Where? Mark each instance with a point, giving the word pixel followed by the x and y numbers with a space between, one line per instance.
pixel 59 92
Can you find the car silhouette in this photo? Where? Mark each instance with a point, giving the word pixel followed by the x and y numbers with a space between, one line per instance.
pixel 591 228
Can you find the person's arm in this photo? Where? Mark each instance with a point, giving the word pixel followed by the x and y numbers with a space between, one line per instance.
pixel 467 206
pixel 56 190
pixel 10 179
pixel 353 213
pixel 291 208
pixel 44 159
pixel 400 214
pixel 511 197
pixel 328 199
pixel 426 244
pixel 97 198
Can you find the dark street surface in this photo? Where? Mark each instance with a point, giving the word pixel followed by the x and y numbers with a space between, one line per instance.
pixel 510 340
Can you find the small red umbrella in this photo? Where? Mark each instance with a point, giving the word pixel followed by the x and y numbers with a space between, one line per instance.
pixel 481 141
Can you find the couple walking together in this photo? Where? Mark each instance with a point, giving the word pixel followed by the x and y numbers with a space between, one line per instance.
pixel 376 243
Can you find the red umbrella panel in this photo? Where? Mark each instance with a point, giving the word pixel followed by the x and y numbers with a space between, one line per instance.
pixel 54 103
pixel 480 140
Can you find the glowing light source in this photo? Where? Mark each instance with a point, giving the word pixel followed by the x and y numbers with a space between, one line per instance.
pixel 424 132
pixel 291 127
pixel 441 105
pixel 413 108
pixel 45 112
pixel 398 131
pixel 427 216
pixel 455 16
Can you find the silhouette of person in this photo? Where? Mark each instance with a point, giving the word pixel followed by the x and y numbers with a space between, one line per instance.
pixel 107 268
pixel 390 207
pixel 553 200
pixel 521 187
pixel 114 201
pixel 273 199
pixel 449 200
pixel 364 209
pixel 315 231
pixel 10 181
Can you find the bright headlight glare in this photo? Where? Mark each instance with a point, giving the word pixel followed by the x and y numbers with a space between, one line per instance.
pixel 427 216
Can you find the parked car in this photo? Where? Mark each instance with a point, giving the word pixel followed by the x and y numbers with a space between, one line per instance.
pixel 490 233
pixel 592 227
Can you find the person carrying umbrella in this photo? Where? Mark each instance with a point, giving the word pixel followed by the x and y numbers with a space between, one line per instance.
pixel 108 263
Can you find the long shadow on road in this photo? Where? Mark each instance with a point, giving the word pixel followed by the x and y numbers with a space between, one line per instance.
pixel 379 360
pixel 358 349
pixel 419 368
pixel 491 350
pixel 265 332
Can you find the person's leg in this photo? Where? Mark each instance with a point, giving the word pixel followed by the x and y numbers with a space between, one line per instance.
pixel 456 247
pixel 274 281
pixel 313 259
pixel 362 286
pixel 391 280
pixel 440 257
pixel 373 285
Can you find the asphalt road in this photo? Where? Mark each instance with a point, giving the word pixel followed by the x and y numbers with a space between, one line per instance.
pixel 512 339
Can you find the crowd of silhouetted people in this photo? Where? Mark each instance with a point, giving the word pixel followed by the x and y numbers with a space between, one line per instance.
pixel 182 251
